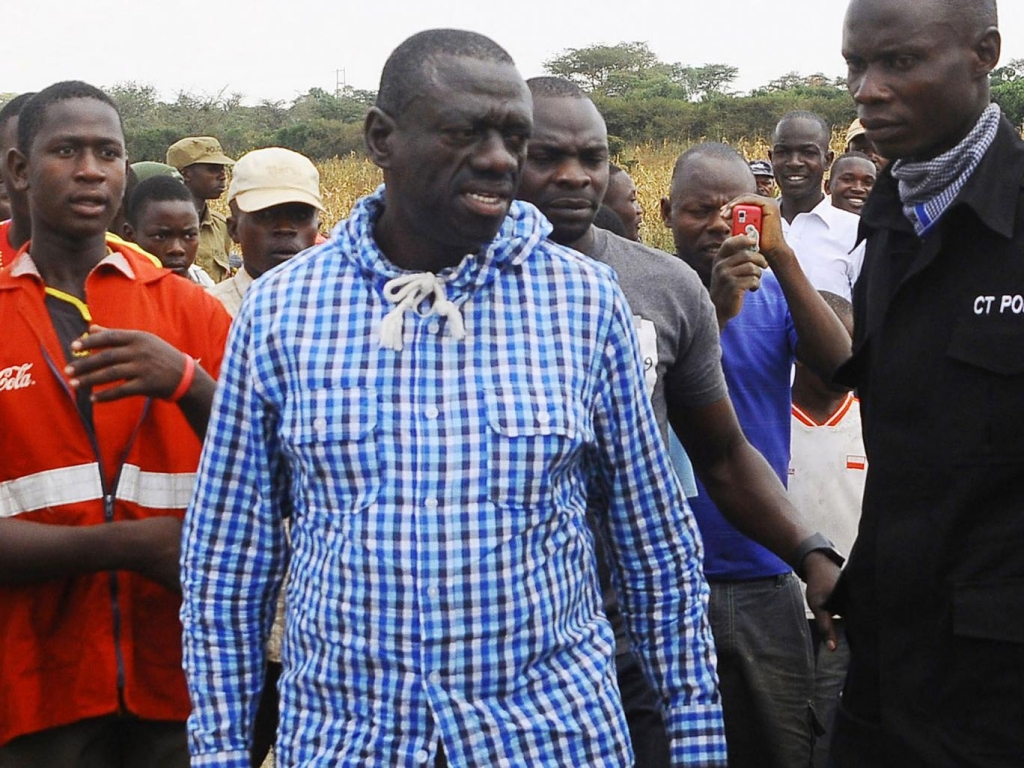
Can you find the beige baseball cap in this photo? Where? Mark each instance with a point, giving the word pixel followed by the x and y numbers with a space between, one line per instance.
pixel 196 149
pixel 272 176
pixel 855 130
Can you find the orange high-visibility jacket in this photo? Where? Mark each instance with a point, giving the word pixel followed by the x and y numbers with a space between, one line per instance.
pixel 96 644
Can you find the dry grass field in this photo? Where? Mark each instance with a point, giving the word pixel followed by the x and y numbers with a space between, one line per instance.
pixel 343 180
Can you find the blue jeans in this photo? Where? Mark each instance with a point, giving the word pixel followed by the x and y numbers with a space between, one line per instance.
pixel 766 671
pixel 829 675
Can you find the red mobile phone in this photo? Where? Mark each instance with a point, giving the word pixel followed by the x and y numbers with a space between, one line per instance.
pixel 745 218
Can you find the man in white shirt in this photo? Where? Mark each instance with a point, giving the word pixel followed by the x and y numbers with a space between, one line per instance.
pixel 823 237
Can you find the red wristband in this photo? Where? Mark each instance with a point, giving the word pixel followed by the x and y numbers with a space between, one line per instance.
pixel 187 377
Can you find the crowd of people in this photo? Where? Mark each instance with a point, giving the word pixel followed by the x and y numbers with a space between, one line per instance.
pixel 475 477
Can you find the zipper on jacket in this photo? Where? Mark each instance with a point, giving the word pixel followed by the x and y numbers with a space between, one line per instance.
pixel 108 517
pixel 115 590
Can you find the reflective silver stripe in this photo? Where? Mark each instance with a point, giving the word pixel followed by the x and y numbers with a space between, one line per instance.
pixel 54 487
pixel 73 485
pixel 155 490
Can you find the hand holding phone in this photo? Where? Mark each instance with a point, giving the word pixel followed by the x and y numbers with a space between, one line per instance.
pixel 746 220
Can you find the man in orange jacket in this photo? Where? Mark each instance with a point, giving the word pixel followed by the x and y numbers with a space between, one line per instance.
pixel 100 442
pixel 13 231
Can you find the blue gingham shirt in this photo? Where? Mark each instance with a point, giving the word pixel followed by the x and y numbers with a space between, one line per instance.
pixel 442 581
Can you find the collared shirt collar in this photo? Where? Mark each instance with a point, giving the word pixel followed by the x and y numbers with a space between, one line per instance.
pixel 823 210
pixel 206 216
pixel 241 281
pixel 826 211
pixel 24 265
pixel 523 228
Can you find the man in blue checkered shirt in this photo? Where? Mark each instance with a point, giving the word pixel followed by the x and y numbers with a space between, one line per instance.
pixel 431 397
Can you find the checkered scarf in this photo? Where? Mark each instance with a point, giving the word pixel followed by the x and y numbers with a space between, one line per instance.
pixel 928 188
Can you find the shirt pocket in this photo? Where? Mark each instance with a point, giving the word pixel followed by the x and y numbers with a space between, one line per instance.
pixel 332 437
pixel 978 684
pixel 990 387
pixel 534 442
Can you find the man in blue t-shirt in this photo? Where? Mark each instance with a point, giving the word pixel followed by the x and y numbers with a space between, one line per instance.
pixel 765 657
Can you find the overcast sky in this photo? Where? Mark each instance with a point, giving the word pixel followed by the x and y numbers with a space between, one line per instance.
pixel 279 49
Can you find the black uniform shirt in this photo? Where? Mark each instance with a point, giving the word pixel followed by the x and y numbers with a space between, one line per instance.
pixel 934 589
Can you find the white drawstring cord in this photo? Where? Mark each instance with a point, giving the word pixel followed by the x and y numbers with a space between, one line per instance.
pixel 408 292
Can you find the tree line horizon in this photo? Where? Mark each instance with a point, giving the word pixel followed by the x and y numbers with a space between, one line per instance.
pixel 643 99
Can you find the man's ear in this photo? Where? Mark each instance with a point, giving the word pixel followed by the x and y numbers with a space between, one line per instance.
pixel 666 212
pixel 378 131
pixel 987 50
pixel 829 157
pixel 233 228
pixel 828 184
pixel 129 232
pixel 17 166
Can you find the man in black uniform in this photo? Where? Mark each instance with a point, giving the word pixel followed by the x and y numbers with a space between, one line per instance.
pixel 934 590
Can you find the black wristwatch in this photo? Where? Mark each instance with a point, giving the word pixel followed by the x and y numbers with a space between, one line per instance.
pixel 815 543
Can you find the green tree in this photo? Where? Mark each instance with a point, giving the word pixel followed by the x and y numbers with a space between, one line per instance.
pixel 634 70
pixel 135 101
pixel 1009 72
pixel 592 67
pixel 712 80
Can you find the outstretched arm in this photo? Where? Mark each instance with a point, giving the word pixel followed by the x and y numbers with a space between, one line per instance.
pixel 824 343
pixel 750 495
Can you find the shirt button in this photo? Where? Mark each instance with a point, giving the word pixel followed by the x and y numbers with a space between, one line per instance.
pixel 421 757
pixel 434 678
pixel 433 591
pixel 431 412
pixel 430 503
pixel 433 326
pixel 543 417
pixel 320 424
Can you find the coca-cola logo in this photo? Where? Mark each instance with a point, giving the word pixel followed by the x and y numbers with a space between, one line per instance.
pixel 16 377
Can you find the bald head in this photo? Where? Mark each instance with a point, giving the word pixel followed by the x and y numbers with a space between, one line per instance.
pixel 969 16
pixel 705 178
pixel 972 16
pixel 700 155
pixel 414 63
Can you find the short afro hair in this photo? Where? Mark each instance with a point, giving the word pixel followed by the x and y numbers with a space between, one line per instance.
pixel 13 107
pixel 411 64
pixel 825 129
pixel 33 113
pixel 842 307
pixel 554 88
pixel 156 189
pixel 608 219
pixel 853 154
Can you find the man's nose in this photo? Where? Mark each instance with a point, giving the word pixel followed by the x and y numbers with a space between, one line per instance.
pixel 495 155
pixel 867 87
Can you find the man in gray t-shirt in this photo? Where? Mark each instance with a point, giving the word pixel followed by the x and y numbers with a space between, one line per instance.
pixel 565 176
pixel 675 322
pixel 678 333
